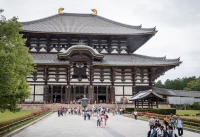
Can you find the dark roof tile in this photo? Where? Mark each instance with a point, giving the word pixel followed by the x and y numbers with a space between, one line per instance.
pixel 83 24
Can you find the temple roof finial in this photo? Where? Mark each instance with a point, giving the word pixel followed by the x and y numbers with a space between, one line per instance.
pixel 95 12
pixel 60 10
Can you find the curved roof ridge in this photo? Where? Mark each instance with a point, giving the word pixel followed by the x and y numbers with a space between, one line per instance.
pixel 139 27
pixel 158 58
pixel 150 57
pixel 177 59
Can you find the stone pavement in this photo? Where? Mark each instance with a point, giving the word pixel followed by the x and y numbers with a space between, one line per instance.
pixel 75 126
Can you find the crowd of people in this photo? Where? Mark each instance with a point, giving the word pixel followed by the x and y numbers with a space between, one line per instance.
pixel 166 128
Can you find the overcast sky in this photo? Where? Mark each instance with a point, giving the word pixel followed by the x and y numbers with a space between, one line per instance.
pixel 177 22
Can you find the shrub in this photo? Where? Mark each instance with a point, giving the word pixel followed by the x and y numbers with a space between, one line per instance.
pixel 196 105
pixel 170 111
pixel 129 109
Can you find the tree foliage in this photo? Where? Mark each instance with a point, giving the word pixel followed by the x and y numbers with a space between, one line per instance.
pixel 15 65
pixel 159 84
pixel 186 83
pixel 193 85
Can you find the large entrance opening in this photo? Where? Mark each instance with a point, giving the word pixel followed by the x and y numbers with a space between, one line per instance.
pixel 102 99
pixel 56 98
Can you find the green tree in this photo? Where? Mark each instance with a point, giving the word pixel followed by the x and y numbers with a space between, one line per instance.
pixel 186 80
pixel 193 85
pixel 177 84
pixel 15 65
pixel 159 84
pixel 168 84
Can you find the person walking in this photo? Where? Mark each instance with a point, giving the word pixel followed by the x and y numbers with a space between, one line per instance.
pixel 171 120
pixel 151 122
pixel 98 120
pixel 105 118
pixel 113 111
pixel 135 114
pixel 84 114
pixel 88 114
pixel 179 126
pixel 170 131
pixel 166 122
pixel 157 121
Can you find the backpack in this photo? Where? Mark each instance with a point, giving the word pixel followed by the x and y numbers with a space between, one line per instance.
pixel 106 116
pixel 154 134
pixel 165 133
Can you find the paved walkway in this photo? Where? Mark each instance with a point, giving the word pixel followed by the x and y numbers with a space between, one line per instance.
pixel 75 126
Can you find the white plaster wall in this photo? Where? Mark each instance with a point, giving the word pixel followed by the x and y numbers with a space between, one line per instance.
pixel 96 80
pixel 29 99
pixel 40 79
pixel 118 90
pixel 29 79
pixel 127 90
pixel 106 76
pixel 39 98
pixel 187 100
pixel 32 89
pixel 119 77
pixel 118 98
pixel 118 80
pixel 39 89
pixel 62 80
pixel 196 99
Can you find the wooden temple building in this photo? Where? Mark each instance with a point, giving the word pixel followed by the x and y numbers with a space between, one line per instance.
pixel 77 54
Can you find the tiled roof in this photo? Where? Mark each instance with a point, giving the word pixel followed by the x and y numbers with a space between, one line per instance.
pixel 179 93
pixel 71 23
pixel 143 94
pixel 112 60
pixel 47 59
pixel 136 60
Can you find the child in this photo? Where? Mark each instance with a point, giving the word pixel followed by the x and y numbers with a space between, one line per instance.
pixel 98 120
pixel 102 123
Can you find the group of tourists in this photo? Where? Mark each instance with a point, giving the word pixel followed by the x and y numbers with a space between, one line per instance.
pixel 70 111
pixel 165 129
pixel 102 120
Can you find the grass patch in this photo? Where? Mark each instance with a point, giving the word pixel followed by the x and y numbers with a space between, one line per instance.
pixel 7 115
pixel 190 112
pixel 24 123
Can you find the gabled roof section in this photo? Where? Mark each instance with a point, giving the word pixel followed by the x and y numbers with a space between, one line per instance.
pixel 177 93
pixel 71 23
pixel 95 54
pixel 144 94
pixel 112 60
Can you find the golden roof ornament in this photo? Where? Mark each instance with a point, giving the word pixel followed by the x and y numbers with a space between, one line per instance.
pixel 94 12
pixel 60 10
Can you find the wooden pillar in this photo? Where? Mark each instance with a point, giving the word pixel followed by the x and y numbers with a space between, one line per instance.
pixel 112 93
pixel 91 93
pixel 142 103
pixel 133 81
pixel 61 98
pixel 156 103
pixel 68 87
pixel 112 88
pixel 135 104
pixel 51 98
pixel 68 93
pixel 107 99
pixel 46 75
